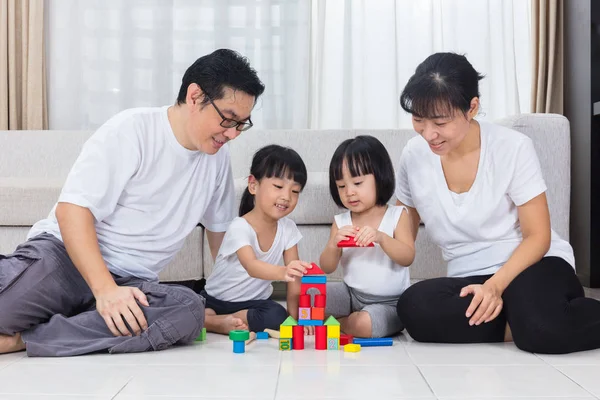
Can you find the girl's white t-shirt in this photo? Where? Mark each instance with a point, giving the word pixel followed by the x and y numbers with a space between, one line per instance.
pixel 478 230
pixel 369 269
pixel 229 280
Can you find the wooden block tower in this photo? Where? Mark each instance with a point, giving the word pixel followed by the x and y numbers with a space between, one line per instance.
pixel 292 331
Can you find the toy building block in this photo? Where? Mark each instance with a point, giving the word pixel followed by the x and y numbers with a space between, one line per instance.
pixel 273 333
pixel 320 301
pixel 310 322
pixel 345 339
pixel 321 287
pixel 374 342
pixel 285 344
pixel 304 313
pixel 314 279
pixel 317 313
pixel 298 339
pixel 352 348
pixel 333 344
pixel 285 329
pixel 315 270
pixel 239 338
pixel 351 243
pixel 262 335
pixel 202 336
pixel 320 337
pixel 333 327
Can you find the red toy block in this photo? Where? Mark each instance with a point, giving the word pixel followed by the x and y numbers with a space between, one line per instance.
pixel 321 287
pixel 345 339
pixel 351 243
pixel 298 337
pixel 320 300
pixel 304 301
pixel 315 270
pixel 317 313
pixel 320 338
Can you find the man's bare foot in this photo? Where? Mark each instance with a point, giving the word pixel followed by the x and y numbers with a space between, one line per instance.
pixel 223 324
pixel 11 344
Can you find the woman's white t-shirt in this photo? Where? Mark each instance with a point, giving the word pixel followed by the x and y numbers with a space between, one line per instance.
pixel 478 230
pixel 369 269
pixel 229 280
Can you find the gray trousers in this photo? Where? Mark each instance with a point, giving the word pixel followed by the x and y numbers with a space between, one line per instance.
pixel 342 301
pixel 43 296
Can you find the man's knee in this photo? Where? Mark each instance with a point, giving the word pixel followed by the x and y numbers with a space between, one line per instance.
pixel 188 317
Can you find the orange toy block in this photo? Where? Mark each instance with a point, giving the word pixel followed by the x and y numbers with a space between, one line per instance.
pixel 317 313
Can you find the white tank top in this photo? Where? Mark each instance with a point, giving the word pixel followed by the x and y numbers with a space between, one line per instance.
pixel 369 269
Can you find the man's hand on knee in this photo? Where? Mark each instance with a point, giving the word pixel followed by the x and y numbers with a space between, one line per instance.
pixel 118 305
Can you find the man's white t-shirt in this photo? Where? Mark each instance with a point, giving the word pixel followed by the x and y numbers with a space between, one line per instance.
pixel 229 280
pixel 478 230
pixel 369 269
pixel 146 192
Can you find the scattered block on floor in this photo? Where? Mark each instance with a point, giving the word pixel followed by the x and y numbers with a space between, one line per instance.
pixel 374 342
pixel 345 339
pixel 352 348
pixel 262 335
pixel 202 336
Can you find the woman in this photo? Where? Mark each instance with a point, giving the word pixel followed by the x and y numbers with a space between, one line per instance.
pixel 479 190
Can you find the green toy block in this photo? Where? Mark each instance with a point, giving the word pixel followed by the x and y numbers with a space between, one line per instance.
pixel 289 322
pixel 331 322
pixel 202 336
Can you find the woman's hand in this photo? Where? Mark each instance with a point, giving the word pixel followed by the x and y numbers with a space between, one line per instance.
pixel 486 304
pixel 367 235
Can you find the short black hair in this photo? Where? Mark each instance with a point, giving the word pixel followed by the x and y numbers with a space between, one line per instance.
pixel 443 83
pixel 218 70
pixel 274 161
pixel 364 155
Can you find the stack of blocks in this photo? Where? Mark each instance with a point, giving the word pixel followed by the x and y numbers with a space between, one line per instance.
pixel 327 334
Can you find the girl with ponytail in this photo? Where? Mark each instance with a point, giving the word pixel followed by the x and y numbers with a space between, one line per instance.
pixel 239 287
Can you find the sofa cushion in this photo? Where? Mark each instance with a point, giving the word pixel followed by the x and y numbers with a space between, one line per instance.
pixel 24 201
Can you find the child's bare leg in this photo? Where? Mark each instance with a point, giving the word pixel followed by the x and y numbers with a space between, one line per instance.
pixel 357 324
pixel 223 324
pixel 508 334
pixel 11 344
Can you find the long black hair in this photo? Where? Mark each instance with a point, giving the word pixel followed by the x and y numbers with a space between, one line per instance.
pixel 442 84
pixel 274 161
pixel 363 155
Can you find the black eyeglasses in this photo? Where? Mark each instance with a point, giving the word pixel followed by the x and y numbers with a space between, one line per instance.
pixel 231 123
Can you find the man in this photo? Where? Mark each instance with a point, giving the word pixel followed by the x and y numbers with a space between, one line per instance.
pixel 86 280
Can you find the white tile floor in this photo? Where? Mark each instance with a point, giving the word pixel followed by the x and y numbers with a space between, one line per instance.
pixel 210 370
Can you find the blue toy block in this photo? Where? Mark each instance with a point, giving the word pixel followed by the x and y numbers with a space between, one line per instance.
pixel 239 347
pixel 373 342
pixel 314 279
pixel 262 335
pixel 310 322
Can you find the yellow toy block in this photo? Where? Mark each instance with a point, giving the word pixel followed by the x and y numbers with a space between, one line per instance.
pixel 352 348
pixel 285 344
pixel 333 331
pixel 285 332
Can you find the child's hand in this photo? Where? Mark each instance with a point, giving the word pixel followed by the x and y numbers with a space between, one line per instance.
pixel 344 233
pixel 309 330
pixel 295 269
pixel 367 235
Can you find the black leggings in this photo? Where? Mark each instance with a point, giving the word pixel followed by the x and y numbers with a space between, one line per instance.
pixel 262 314
pixel 544 306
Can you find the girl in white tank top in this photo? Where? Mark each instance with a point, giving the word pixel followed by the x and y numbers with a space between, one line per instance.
pixel 361 179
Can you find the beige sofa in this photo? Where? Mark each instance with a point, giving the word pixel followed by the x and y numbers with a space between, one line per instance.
pixel 34 165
